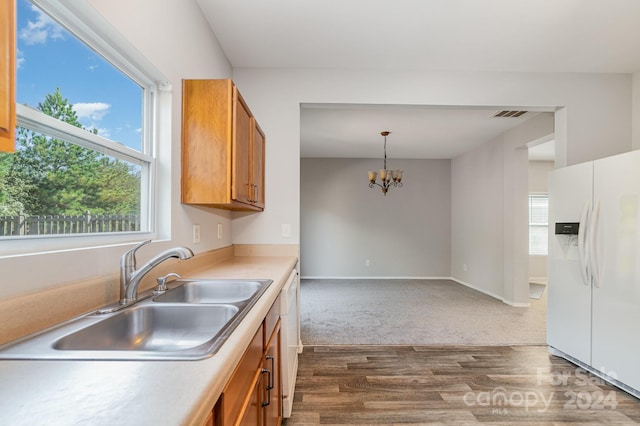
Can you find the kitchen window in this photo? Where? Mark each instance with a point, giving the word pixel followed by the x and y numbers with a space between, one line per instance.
pixel 538 224
pixel 84 158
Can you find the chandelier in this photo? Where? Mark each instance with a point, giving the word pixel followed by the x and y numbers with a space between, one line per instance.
pixel 388 178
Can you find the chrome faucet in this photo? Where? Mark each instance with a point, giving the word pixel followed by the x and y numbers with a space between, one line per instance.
pixel 130 277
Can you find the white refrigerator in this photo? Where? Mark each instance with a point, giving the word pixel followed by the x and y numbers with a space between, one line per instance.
pixel 593 311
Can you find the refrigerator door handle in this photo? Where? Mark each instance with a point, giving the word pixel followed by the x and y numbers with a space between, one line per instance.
pixel 593 258
pixel 583 252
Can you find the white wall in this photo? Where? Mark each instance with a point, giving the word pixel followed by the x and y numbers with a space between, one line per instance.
pixel 406 233
pixel 477 221
pixel 593 120
pixel 596 120
pixel 539 176
pixel 175 38
pixel 489 187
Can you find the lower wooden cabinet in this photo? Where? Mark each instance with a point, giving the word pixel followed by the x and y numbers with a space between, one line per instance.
pixel 236 396
pixel 272 390
pixel 253 413
pixel 253 395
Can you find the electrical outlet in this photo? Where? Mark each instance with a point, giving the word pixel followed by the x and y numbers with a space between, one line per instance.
pixel 219 231
pixel 367 262
pixel 465 268
pixel 196 234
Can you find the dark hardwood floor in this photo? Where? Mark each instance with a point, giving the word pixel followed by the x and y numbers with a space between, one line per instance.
pixel 501 385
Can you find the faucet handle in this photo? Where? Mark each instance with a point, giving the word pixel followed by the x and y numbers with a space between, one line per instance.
pixel 162 282
pixel 129 258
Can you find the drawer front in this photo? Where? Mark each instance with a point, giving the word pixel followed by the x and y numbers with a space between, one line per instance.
pixel 270 320
pixel 236 392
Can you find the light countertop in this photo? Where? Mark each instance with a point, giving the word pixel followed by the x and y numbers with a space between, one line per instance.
pixel 122 393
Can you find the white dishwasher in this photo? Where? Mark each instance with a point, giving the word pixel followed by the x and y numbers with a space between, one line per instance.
pixel 290 344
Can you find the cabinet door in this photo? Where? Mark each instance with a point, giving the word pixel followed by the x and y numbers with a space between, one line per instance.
pixel 257 163
pixel 236 392
pixel 273 390
pixel 7 76
pixel 241 189
pixel 253 413
pixel 207 120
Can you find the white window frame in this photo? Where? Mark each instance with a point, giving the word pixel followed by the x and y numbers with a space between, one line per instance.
pixel 92 29
pixel 536 224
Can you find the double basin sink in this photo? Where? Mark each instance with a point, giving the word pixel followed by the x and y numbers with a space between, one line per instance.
pixel 190 321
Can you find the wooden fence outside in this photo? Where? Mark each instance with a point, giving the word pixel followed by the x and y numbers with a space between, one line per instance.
pixel 63 224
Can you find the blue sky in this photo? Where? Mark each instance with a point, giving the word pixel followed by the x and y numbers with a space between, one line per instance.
pixel 49 57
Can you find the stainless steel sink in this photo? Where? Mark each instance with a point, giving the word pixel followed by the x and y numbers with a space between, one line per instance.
pixel 207 313
pixel 211 291
pixel 157 328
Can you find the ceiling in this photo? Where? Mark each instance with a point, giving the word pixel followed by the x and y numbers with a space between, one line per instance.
pixel 444 35
pixel 425 132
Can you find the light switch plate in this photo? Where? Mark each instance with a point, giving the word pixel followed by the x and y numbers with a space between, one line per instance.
pixel 196 234
pixel 286 230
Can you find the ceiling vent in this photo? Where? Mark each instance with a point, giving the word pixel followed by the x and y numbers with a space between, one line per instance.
pixel 509 114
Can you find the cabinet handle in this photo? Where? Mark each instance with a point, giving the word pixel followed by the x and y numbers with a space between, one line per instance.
pixel 270 384
pixel 264 404
pixel 254 189
pixel 251 193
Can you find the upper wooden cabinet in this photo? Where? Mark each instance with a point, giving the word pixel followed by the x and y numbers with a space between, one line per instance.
pixel 7 75
pixel 222 148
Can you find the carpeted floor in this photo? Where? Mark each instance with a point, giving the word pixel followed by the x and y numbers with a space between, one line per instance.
pixel 413 312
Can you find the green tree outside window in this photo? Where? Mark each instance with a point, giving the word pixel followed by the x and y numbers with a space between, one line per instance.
pixel 49 176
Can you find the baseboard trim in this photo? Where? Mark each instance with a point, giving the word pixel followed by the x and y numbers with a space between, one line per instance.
pixel 495 296
pixel 516 305
pixel 488 293
pixel 372 278
pixel 481 290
